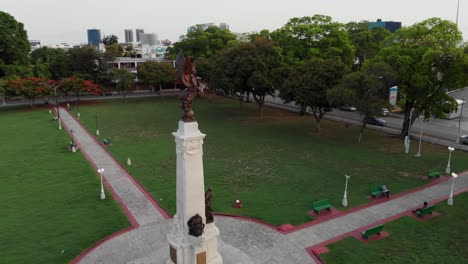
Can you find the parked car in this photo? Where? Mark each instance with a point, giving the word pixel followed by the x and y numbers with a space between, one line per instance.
pixel 464 139
pixel 384 111
pixel 347 108
pixel 376 121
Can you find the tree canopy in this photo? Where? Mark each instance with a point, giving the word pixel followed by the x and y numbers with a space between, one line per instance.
pixel 155 73
pixel 203 43
pixel 110 40
pixel 14 44
pixel 423 55
pixel 248 68
pixel 367 42
pixel 317 36
pixel 307 85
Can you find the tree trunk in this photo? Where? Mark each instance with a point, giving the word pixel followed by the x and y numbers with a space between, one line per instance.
pixel 303 110
pixel 318 125
pixel 406 121
pixel 363 126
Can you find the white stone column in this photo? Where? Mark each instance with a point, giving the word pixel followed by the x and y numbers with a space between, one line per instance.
pixel 186 249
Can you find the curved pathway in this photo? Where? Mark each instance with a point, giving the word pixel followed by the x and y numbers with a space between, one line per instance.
pixel 145 241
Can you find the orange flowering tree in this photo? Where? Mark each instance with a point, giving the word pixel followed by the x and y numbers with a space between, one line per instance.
pixel 77 86
pixel 30 88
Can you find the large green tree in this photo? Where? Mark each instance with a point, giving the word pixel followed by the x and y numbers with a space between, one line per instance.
pixel 155 73
pixel 203 43
pixel 317 36
pixel 424 56
pixel 84 62
pixel 367 42
pixel 50 63
pixel 366 89
pixel 307 85
pixel 14 44
pixel 248 68
pixel 123 80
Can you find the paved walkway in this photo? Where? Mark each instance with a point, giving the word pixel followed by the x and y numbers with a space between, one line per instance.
pixel 146 241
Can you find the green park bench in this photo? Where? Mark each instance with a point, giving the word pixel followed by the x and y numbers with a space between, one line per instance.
pixel 372 231
pixel 321 205
pixel 107 141
pixel 423 212
pixel 376 191
pixel 433 174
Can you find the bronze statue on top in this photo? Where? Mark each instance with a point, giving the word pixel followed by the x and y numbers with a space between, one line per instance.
pixel 186 77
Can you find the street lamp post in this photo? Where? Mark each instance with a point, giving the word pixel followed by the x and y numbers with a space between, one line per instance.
pixel 420 136
pixel 97 128
pixel 103 195
pixel 73 148
pixel 458 9
pixel 448 170
pixel 344 202
pixel 450 199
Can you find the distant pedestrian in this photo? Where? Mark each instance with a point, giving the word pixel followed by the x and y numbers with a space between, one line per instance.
pixel 425 204
pixel 385 190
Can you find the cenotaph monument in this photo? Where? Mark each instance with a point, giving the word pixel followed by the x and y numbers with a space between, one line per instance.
pixel 194 237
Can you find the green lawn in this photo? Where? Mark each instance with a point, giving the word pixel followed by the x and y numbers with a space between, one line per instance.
pixel 277 164
pixel 442 239
pixel 51 210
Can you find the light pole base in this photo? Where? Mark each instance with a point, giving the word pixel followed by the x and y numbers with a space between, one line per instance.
pixel 97 132
pixel 418 154
pixel 103 195
pixel 344 202
pixel 450 201
pixel 447 170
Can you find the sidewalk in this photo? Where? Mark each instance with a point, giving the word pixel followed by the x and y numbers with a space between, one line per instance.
pixel 145 241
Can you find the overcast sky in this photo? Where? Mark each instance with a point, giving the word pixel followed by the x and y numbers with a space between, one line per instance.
pixel 56 21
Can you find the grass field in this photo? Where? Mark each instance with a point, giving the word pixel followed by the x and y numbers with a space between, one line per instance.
pixel 277 164
pixel 50 210
pixel 442 239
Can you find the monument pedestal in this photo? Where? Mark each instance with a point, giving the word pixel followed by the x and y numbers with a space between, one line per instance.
pixel 185 248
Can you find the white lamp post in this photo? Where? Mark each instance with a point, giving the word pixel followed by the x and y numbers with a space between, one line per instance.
pixel 344 202
pixel 60 123
pixel 103 195
pixel 420 136
pixel 97 128
pixel 448 170
pixel 450 199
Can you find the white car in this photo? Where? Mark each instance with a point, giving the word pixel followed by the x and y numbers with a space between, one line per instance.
pixel 384 111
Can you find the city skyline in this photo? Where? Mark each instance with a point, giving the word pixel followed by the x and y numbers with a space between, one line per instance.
pixel 55 21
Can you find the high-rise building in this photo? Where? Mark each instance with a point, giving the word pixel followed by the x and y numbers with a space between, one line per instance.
pixel 390 25
pixel 35 44
pixel 94 37
pixel 224 26
pixel 139 31
pixel 150 39
pixel 129 35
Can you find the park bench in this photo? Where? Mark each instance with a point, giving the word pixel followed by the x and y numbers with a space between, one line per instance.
pixel 433 174
pixel 107 141
pixel 321 205
pixel 372 231
pixel 423 212
pixel 376 191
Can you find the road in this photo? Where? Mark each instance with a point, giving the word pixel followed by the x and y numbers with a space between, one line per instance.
pixel 441 131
